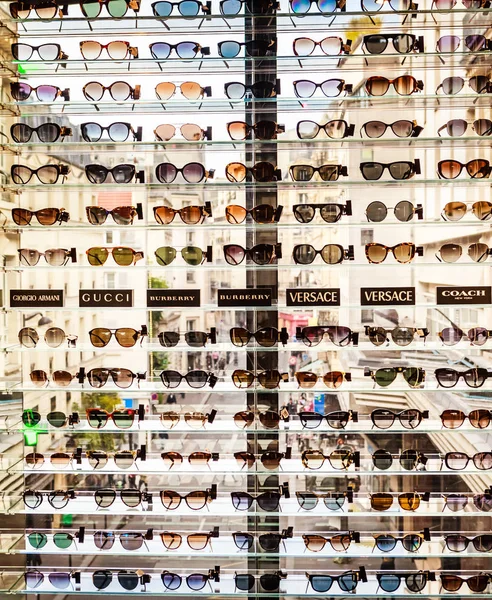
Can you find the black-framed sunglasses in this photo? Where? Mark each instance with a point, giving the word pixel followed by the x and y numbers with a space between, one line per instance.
pixel 331 254
pixel 325 172
pixel 195 379
pixel 261 254
pixel 254 48
pixel 474 378
pixel 122 378
pixel 58 499
pixel 22 91
pixel 404 211
pixel 410 418
pixel 336 129
pixel 302 7
pixel 47 132
pixel 235 90
pixel 263 130
pixel 265 336
pixel 401 336
pixel 401 128
pixel 399 170
pixel 195 339
pixel 192 172
pixel 185 50
pixel 117 132
pixel 337 419
pixel 121 215
pixel 330 212
pixel 331 88
pixel 46 52
pixel 403 43
pixel 116 8
pixel 186 8
pixel 97 174
pixel 233 7
pixel 47 174
pixel 480 84
pixel 458 127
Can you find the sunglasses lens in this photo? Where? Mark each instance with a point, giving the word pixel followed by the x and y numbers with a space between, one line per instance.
pixel 193 172
pixel 335 503
pixel 62 540
pixel 166 172
pixel 196 500
pixel 333 380
pixel 482 501
pixel 483 127
pixel 235 214
pixel 269 379
pixel 131 541
pixel 91 50
pixel 456 127
pixel 104 498
pixel 479 418
pixel 123 459
pixel 332 254
pixel 381 501
pixel 267 337
pixel 238 130
pixel 243 541
pixel 448 43
pixel 321 583
pixel 268 501
pixel 38 540
pixel 377 86
pixel 239 336
pixel 385 543
pixel 409 501
pixel 192 255
pixel 123 419
pixel 244 419
pixel 165 90
pixel 269 419
pixel 236 172
pixel 478 252
pixel 304 88
pixel 126 337
pixel 234 254
pixel 165 255
pixel 385 377
pixel 169 339
pixel 171 581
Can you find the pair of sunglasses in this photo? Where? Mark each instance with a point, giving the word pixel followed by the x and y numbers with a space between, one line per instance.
pixel 196 420
pixel 404 211
pixel 59 460
pixel 401 128
pixel 97 418
pixel 189 131
pixel 58 499
pixel 46 52
pixel 385 542
pixel 268 541
pixel 458 127
pixel 122 256
pixel 331 88
pixel 268 379
pixel 331 254
pixel 262 213
pixel 196 459
pixel 336 129
pixel 450 253
pixel 302 7
pixel 404 253
pixel 117 50
pixel 410 418
pixel 338 459
pixel 195 500
pixel 195 379
pixel 253 48
pixel 404 85
pixel 478 168
pixel 126 337
pixel 55 257
pixel 262 171
pixel 480 84
pixel 104 498
pixel 233 7
pixel 235 90
pixel 195 339
pixel 123 459
pixel 401 336
pixel 454 418
pixel 263 130
pixel 191 254
pixel 192 172
pixel 122 378
pixel 332 379
pixel 309 500
pixel 458 461
pixel 337 419
pixel 268 501
pixel 186 50
pixel 266 336
pixel 325 172
pixel 410 501
pixel 322 582
pixel 409 460
pixel 32 418
pixel 474 378
pixel 457 542
pixel 455 211
pixel 268 418
pixel 47 133
pixel 116 132
pixel 476 583
pixel 330 46
pixel 190 215
pixel 98 174
pixel 458 502
pixel 400 170
pixel 270 459
pixel 403 43
pixel 330 212
pixel 195 581
pixel 62 540
pixel 129 580
pixel 118 90
pixel 474 42
pixel 47 174
pixel 189 89
pixel 53 337
pixel 261 254
pixel 59 580
pixel 415 582
pixel 129 540
pixel 414 376
pixel 40 378
pixel 337 334
pixel 340 542
pixel 196 541
pixel 186 8
pixel 21 92
pixel 121 215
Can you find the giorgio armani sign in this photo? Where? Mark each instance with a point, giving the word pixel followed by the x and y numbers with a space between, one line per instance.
pixel 30 298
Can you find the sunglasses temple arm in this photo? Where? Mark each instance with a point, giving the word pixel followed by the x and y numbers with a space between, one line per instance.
pixel 226 22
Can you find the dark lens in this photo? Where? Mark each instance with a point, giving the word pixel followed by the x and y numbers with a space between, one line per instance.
pixel 128 579
pixel 389 582
pixel 456 127
pixel 193 172
pixel 244 581
pixel 330 213
pixel 102 579
pixel 381 501
pixel 321 583
pixel 59 580
pixel 269 582
pixel 131 498
pixel 268 501
pixel 38 540
pixel 385 543
pixel 304 213
pixel 382 459
pixel 197 379
pixel 166 172
pixel 196 581
pixel 243 541
pixel 239 336
pixel 171 379
pixel 30 418
pixel 457 542
pixel 269 541
pixel 104 498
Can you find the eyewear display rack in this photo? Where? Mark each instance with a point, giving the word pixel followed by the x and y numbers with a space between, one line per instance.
pixel 436 514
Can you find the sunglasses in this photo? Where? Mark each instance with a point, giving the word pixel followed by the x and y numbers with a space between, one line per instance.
pixel 122 378
pixel 116 50
pixel 195 379
pixel 458 127
pixel 390 582
pixel 340 542
pixel 123 459
pixel 233 7
pixel 55 257
pixel 478 168
pixel 404 211
pixel 458 461
pixel 386 542
pixel 454 418
pixel 118 90
pixel 31 418
pixel 192 172
pixel 47 174
pixel 336 420
pixel 45 93
pixel 122 215
pixel 235 90
pixel 132 498
pixel 403 253
pixel 325 172
pixel 401 336
pixel 336 129
pixel 129 580
pixel 189 89
pixel 457 502
pixel 195 581
pixel 410 460
pixel 331 88
pixel 57 459
pixel 347 581
pixel 410 418
pixel 268 501
pixel 97 418
pixel 450 4
pixel 53 337
pixel 338 459
pixel 44 216
pixel 332 379
pixel 191 215
pixel 262 214
pixel 457 542
pixel 337 334
pixel 269 418
pixel 59 580
pixel 414 376
pixel 474 42
pixel 476 583
pixel 480 84
pixel 396 5
pixel 403 43
pixel 301 7
pixel 122 256
pixel 126 337
pixel 382 501
pixel 129 540
pixel 400 170
pixel 309 500
pixel 186 8
pixel 261 254
pixel 405 85
pixel 62 540
pixel 254 48
pixel 189 131
pixel 268 379
pixel 41 379
pixel 455 211
pixel 263 130
pixel 97 174
pixel 331 254
pixel 266 336
pixel 191 254
pixel 49 52
pixel 45 11
pixel 195 500
pixel 58 499
pixel 473 378
pixel 450 253
pixel 115 8
pixel 197 459
pixel 186 50
pixel 196 541
pixel 262 171
pixel 47 132
pixel 195 339
pixel 330 213
pixel 331 46
pixel 117 132
pixel 269 459
pixel 196 420
pixel 268 541
pixel 401 128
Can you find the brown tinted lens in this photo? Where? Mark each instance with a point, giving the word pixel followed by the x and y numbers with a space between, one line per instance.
pixel 195 420
pixel 60 459
pixel 97 460
pixel 340 543
pixel 238 130
pixel 21 216
pixel 172 541
pixel 123 215
pixel 47 216
pixel 449 169
pixel 172 459
pixel 315 543
pixel 452 419
pixel 271 460
pixel 235 214
pixel 54 337
pixel 381 501
pixel 165 90
pixel 478 252
pixel 124 459
pixel 269 419
pixel 244 419
pixel 478 169
pixel 404 85
pixel 199 459
pixel 306 380
pixel 404 253
pixel 451 583
pixel 333 380
pixel 479 418
pixel 169 419
pixel 126 337
pixel 62 378
pixel 191 215
pixel 376 253
pixel 269 379
pixel 454 211
pixel 164 215
pixel 170 500
pixel 377 86
pixel 39 378
pixel 482 210
pixel 332 254
pixel 236 172
pixel 409 501
pixel 191 90
pixel 34 459
pixel 196 500
pixel 313 459
pixel 244 459
pixel 198 541
pixel 100 337
pixel 28 337
pixel 242 379
pixel 263 213
pixel 450 252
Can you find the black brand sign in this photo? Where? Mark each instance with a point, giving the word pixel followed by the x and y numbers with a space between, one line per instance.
pixel 28 298
pixel 175 298
pixel 310 297
pixel 245 297
pixel 387 296
pixel 116 298
pixel 481 294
